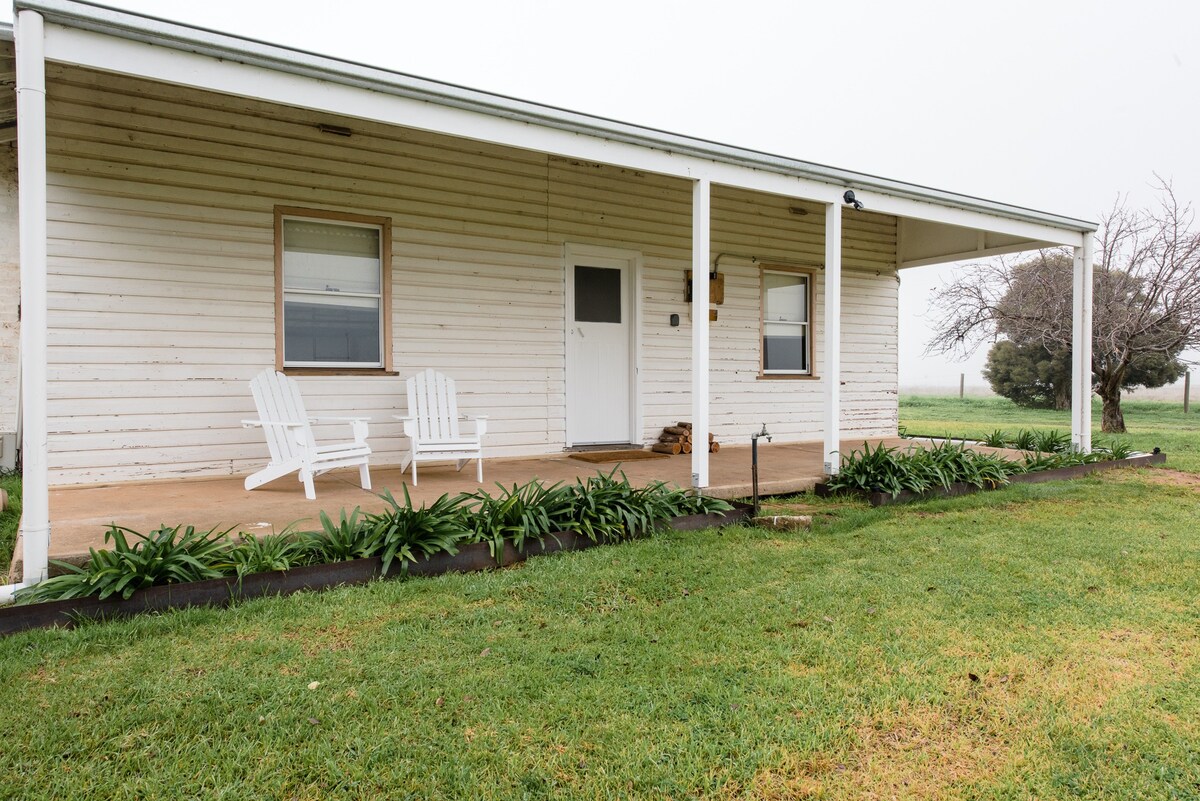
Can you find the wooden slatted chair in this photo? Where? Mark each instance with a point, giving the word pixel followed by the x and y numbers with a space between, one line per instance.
pixel 431 425
pixel 288 429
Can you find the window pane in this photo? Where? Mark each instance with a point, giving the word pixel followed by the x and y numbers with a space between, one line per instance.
pixel 597 294
pixel 330 258
pixel 330 329
pixel 785 347
pixel 785 298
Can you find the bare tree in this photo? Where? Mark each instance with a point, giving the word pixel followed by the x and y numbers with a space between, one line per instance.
pixel 1146 297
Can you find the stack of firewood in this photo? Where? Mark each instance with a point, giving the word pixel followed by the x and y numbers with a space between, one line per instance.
pixel 677 439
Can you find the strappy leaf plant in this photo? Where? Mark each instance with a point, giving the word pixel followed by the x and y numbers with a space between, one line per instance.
pixel 404 532
pixel 268 553
pixel 521 513
pixel 167 555
pixel 996 439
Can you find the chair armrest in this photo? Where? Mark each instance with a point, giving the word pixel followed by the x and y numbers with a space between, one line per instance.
pixel 265 423
pixel 480 421
pixel 410 424
pixel 324 419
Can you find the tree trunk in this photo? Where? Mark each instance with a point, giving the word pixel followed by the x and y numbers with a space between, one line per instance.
pixel 1112 421
pixel 1062 397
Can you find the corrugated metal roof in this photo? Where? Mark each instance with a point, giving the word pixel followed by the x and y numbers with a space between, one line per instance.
pixel 216 44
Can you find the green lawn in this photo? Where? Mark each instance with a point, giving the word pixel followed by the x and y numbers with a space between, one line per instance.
pixel 1151 424
pixel 1042 641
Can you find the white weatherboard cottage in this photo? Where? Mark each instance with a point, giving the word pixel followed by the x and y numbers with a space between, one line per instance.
pixel 195 207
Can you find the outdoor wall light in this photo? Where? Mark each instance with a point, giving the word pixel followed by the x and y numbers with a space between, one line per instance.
pixel 851 200
pixel 674 320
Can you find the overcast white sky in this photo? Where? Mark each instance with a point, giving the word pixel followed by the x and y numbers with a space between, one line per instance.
pixel 1058 106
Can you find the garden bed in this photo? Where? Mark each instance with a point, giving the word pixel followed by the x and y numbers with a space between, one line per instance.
pixel 224 591
pixel 957 489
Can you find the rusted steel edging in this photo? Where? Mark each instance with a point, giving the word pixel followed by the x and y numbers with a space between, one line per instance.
pixel 224 591
pixel 1057 474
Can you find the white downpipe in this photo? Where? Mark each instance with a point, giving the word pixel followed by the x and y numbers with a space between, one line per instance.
pixel 31 177
pixel 8 590
pixel 701 245
pixel 833 337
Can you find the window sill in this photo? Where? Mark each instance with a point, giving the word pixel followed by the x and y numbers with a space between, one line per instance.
pixel 787 377
pixel 338 371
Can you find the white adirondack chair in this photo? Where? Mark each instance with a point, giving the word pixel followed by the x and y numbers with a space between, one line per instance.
pixel 431 425
pixel 290 439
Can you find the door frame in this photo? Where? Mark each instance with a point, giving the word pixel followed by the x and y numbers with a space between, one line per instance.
pixel 578 254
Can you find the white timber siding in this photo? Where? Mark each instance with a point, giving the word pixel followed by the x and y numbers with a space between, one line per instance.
pixel 161 281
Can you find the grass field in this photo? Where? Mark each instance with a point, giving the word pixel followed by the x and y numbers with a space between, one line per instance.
pixel 1042 641
pixel 1151 424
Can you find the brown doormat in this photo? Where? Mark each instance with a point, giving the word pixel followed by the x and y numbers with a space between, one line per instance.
pixel 599 457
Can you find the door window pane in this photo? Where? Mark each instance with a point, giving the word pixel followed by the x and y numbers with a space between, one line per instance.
pixel 597 294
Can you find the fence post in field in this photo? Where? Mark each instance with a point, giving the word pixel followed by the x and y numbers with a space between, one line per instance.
pixel 1187 390
pixel 962 385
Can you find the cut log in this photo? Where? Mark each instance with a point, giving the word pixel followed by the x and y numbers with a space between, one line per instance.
pixel 683 424
pixel 687 447
pixel 672 438
pixel 714 447
pixel 672 448
pixel 676 430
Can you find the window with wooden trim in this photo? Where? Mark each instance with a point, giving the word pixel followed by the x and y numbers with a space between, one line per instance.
pixel 332 282
pixel 786 323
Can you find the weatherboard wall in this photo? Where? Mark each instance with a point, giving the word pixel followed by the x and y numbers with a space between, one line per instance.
pixel 162 300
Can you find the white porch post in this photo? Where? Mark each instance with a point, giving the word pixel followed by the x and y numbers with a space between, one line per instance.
pixel 833 337
pixel 701 218
pixel 31 172
pixel 1081 348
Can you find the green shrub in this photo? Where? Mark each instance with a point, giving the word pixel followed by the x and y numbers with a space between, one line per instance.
pixel 996 439
pixel 529 511
pixel 887 470
pixel 349 538
pixel 167 555
pixel 1025 440
pixel 405 532
pixel 267 553
pixel 1117 450
pixel 1051 442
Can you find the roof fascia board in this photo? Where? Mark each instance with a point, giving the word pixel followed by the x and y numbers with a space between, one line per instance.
pixel 948 258
pixel 134 29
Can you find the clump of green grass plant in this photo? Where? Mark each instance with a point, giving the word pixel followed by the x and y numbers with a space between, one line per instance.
pixel 919 470
pixel 167 555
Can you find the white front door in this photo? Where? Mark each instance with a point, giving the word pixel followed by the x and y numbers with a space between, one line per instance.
pixel 600 344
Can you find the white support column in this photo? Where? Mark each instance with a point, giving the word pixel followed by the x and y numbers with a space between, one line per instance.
pixel 701 239
pixel 1081 348
pixel 833 337
pixel 31 172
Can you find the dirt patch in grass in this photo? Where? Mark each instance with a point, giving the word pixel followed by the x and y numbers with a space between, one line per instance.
pixel 1172 478
pixel 923 751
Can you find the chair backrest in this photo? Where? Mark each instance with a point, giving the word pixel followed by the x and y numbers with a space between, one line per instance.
pixel 278 400
pixel 431 399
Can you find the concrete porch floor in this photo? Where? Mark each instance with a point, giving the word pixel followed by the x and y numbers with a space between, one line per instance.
pixel 81 515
